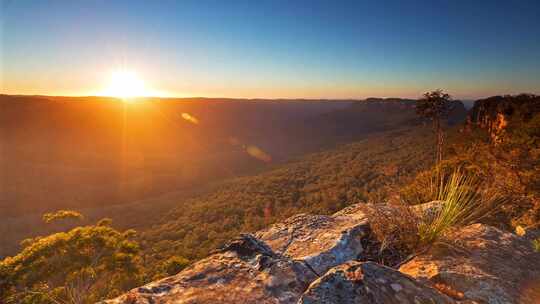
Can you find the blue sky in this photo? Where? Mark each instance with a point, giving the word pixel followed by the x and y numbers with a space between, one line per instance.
pixel 290 49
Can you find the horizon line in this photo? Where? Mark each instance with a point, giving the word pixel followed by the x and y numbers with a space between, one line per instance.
pixel 241 98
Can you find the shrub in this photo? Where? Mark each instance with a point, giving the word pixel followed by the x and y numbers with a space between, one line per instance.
pixel 394 228
pixel 463 203
pixel 174 265
pixel 82 265
pixel 402 229
pixel 420 190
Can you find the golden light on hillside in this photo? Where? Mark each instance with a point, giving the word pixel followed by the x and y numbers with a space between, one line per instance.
pixel 125 84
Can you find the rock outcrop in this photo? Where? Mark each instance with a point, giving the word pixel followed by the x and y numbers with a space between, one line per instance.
pixel 368 282
pixel 318 259
pixel 245 271
pixel 320 241
pixel 496 114
pixel 482 264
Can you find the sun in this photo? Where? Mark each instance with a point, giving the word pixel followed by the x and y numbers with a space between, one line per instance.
pixel 125 84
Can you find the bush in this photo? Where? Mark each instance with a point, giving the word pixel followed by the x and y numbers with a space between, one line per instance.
pixel 174 265
pixel 463 203
pixel 402 230
pixel 394 228
pixel 82 265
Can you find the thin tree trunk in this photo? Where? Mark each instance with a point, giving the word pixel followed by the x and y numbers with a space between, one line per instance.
pixel 440 144
pixel 439 140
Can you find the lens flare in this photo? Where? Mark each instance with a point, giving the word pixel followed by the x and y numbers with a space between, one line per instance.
pixel 258 154
pixel 190 118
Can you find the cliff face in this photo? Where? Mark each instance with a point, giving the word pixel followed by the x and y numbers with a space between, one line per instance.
pixel 497 114
pixel 325 259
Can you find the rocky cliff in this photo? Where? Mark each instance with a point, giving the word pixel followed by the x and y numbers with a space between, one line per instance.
pixel 497 114
pixel 325 259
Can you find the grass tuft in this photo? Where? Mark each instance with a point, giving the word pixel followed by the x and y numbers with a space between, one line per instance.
pixel 463 203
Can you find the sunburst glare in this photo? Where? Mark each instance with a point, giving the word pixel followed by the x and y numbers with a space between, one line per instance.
pixel 125 84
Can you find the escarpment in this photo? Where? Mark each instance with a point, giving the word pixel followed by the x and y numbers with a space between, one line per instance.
pixel 321 259
pixel 498 113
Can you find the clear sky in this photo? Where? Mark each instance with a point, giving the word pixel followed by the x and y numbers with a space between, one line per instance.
pixel 257 48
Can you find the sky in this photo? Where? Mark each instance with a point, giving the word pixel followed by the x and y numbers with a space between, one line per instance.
pixel 272 49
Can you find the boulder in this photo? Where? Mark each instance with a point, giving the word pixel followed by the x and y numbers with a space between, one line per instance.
pixel 362 283
pixel 320 241
pixel 483 264
pixel 245 271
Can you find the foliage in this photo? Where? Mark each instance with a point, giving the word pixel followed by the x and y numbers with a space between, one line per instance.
pixel 58 266
pixel 82 265
pixel 434 105
pixel 174 265
pixel 462 204
pixel 61 215
pixel 536 245
pixel 322 183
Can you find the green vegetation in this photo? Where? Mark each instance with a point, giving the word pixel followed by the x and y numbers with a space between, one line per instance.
pixel 454 200
pixel 461 204
pixel 496 183
pixel 323 183
pixel 61 215
pixel 174 265
pixel 79 266
pixel 536 244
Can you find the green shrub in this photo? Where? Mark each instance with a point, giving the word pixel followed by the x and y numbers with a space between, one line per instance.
pixel 82 265
pixel 175 264
pixel 463 203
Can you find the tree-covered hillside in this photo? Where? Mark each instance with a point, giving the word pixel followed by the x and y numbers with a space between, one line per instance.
pixel 322 183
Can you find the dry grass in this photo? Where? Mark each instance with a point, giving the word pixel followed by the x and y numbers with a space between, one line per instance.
pixel 402 230
pixel 394 230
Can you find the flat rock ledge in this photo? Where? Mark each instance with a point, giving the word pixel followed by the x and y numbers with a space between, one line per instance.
pixel 245 271
pixel 481 264
pixel 320 241
pixel 311 259
pixel 369 282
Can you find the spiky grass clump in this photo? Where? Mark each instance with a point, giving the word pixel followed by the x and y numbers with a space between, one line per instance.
pixel 462 204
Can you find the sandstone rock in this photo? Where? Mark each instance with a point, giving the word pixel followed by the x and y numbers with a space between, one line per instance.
pixel 321 241
pixel 495 114
pixel 358 283
pixel 311 259
pixel 483 264
pixel 244 271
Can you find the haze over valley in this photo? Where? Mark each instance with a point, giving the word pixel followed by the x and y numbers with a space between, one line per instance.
pixel 280 152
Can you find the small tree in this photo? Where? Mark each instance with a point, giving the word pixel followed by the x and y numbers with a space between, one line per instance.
pixel 79 266
pixel 436 106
